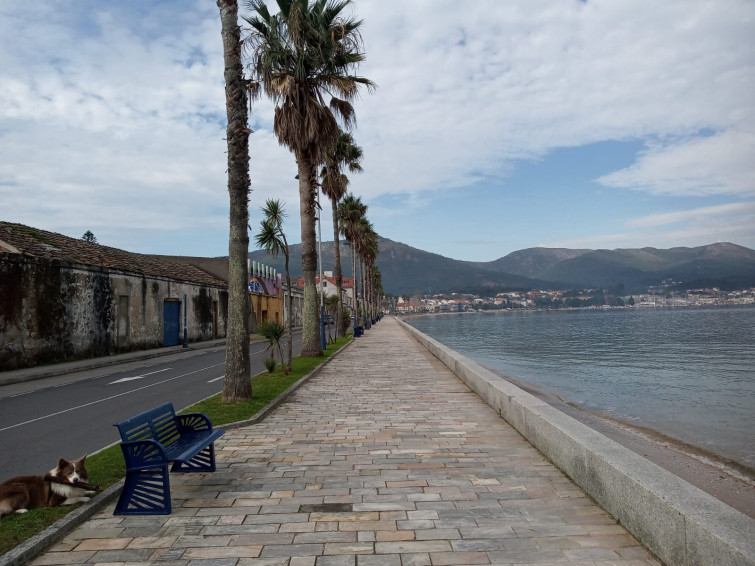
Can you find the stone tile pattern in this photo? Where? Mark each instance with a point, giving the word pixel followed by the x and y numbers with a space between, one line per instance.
pixel 425 474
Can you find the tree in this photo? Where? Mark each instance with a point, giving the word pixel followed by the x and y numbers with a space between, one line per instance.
pixel 302 55
pixel 273 239
pixel 342 153
pixel 365 243
pixel 350 211
pixel 333 306
pixel 371 250
pixel 237 385
pixel 89 237
pixel 273 332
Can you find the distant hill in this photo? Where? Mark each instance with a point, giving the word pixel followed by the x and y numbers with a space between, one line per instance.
pixel 407 270
pixel 724 264
pixel 530 262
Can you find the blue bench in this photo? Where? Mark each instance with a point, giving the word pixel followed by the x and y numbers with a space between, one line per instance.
pixel 150 441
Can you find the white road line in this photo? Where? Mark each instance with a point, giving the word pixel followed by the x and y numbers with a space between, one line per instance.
pixel 216 379
pixel 137 376
pixel 105 399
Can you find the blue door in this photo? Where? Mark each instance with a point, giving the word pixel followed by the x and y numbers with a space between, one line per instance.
pixel 171 319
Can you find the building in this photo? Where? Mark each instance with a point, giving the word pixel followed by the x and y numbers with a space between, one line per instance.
pixel 266 292
pixel 329 287
pixel 64 298
pixel 266 287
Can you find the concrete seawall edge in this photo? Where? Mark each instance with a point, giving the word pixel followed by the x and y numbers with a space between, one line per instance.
pixel 678 522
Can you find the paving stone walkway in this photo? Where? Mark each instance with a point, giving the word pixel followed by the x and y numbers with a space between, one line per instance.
pixel 384 458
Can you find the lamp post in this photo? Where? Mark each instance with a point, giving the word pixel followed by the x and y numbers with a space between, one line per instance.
pixel 355 302
pixel 319 259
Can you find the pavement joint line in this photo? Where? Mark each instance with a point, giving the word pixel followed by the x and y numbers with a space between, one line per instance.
pixel 40 542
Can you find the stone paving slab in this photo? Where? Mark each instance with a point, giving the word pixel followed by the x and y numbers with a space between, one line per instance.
pixel 383 458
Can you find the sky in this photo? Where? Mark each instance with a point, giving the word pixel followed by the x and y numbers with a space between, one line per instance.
pixel 496 126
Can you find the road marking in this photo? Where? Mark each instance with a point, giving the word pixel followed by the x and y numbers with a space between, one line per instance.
pixel 137 376
pixel 106 399
pixel 216 379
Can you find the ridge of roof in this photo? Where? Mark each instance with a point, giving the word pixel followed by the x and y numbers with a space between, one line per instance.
pixel 34 242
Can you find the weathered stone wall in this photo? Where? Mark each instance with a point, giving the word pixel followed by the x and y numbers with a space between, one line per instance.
pixel 51 311
pixel 297 302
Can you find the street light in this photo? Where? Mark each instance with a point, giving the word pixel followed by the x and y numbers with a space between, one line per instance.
pixel 319 259
pixel 355 302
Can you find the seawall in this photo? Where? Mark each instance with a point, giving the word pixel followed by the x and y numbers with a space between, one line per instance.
pixel 678 522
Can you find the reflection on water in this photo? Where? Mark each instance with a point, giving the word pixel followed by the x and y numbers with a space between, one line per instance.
pixel 688 373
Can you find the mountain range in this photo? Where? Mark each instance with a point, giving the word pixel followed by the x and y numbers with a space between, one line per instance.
pixel 407 270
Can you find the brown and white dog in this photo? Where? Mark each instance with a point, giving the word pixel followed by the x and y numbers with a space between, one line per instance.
pixel 57 487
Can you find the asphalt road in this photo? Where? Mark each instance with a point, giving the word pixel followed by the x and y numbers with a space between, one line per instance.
pixel 71 415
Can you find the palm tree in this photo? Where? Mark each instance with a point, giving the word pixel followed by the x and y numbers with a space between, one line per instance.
pixel 370 252
pixel 273 239
pixel 333 305
pixel 273 332
pixel 237 385
pixel 363 233
pixel 302 55
pixel 350 211
pixel 342 153
pixel 377 289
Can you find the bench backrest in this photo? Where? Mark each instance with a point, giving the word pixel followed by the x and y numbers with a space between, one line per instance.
pixel 156 424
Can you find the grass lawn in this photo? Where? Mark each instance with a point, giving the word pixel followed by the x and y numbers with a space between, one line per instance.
pixel 107 467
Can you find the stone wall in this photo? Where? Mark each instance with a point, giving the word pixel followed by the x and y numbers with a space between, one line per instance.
pixel 52 311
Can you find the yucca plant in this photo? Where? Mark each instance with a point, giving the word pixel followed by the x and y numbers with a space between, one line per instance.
pixel 273 332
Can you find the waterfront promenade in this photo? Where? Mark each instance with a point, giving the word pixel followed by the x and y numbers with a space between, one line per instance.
pixel 383 458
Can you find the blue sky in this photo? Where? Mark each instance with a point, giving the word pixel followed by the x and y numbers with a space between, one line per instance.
pixel 496 126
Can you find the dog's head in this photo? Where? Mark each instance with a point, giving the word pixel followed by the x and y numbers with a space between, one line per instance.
pixel 72 472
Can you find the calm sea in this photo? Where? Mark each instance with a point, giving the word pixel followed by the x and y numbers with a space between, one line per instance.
pixel 688 373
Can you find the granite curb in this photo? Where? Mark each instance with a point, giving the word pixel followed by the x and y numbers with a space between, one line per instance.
pixel 40 542
pixel 678 522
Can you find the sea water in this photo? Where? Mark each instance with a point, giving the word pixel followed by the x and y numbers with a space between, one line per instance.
pixel 688 373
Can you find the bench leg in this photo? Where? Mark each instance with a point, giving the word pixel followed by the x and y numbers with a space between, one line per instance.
pixel 145 492
pixel 202 462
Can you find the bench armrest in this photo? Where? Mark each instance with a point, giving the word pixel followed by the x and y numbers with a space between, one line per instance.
pixel 143 453
pixel 193 422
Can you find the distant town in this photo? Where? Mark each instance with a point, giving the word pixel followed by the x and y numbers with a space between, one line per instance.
pixel 590 298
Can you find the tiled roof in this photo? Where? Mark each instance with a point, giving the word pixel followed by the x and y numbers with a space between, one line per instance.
pixel 17 238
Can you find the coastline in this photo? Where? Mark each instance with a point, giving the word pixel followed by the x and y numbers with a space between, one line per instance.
pixel 727 480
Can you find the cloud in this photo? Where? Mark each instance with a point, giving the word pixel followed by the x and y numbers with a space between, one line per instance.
pixel 725 223
pixel 113 114
pixel 743 210
pixel 465 91
pixel 720 164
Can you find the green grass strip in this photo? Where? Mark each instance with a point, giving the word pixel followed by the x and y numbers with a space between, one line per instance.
pixel 107 467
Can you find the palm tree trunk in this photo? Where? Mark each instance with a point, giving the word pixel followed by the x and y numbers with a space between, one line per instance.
pixel 338 315
pixel 368 283
pixel 354 284
pixel 289 304
pixel 237 385
pixel 311 317
pixel 364 296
